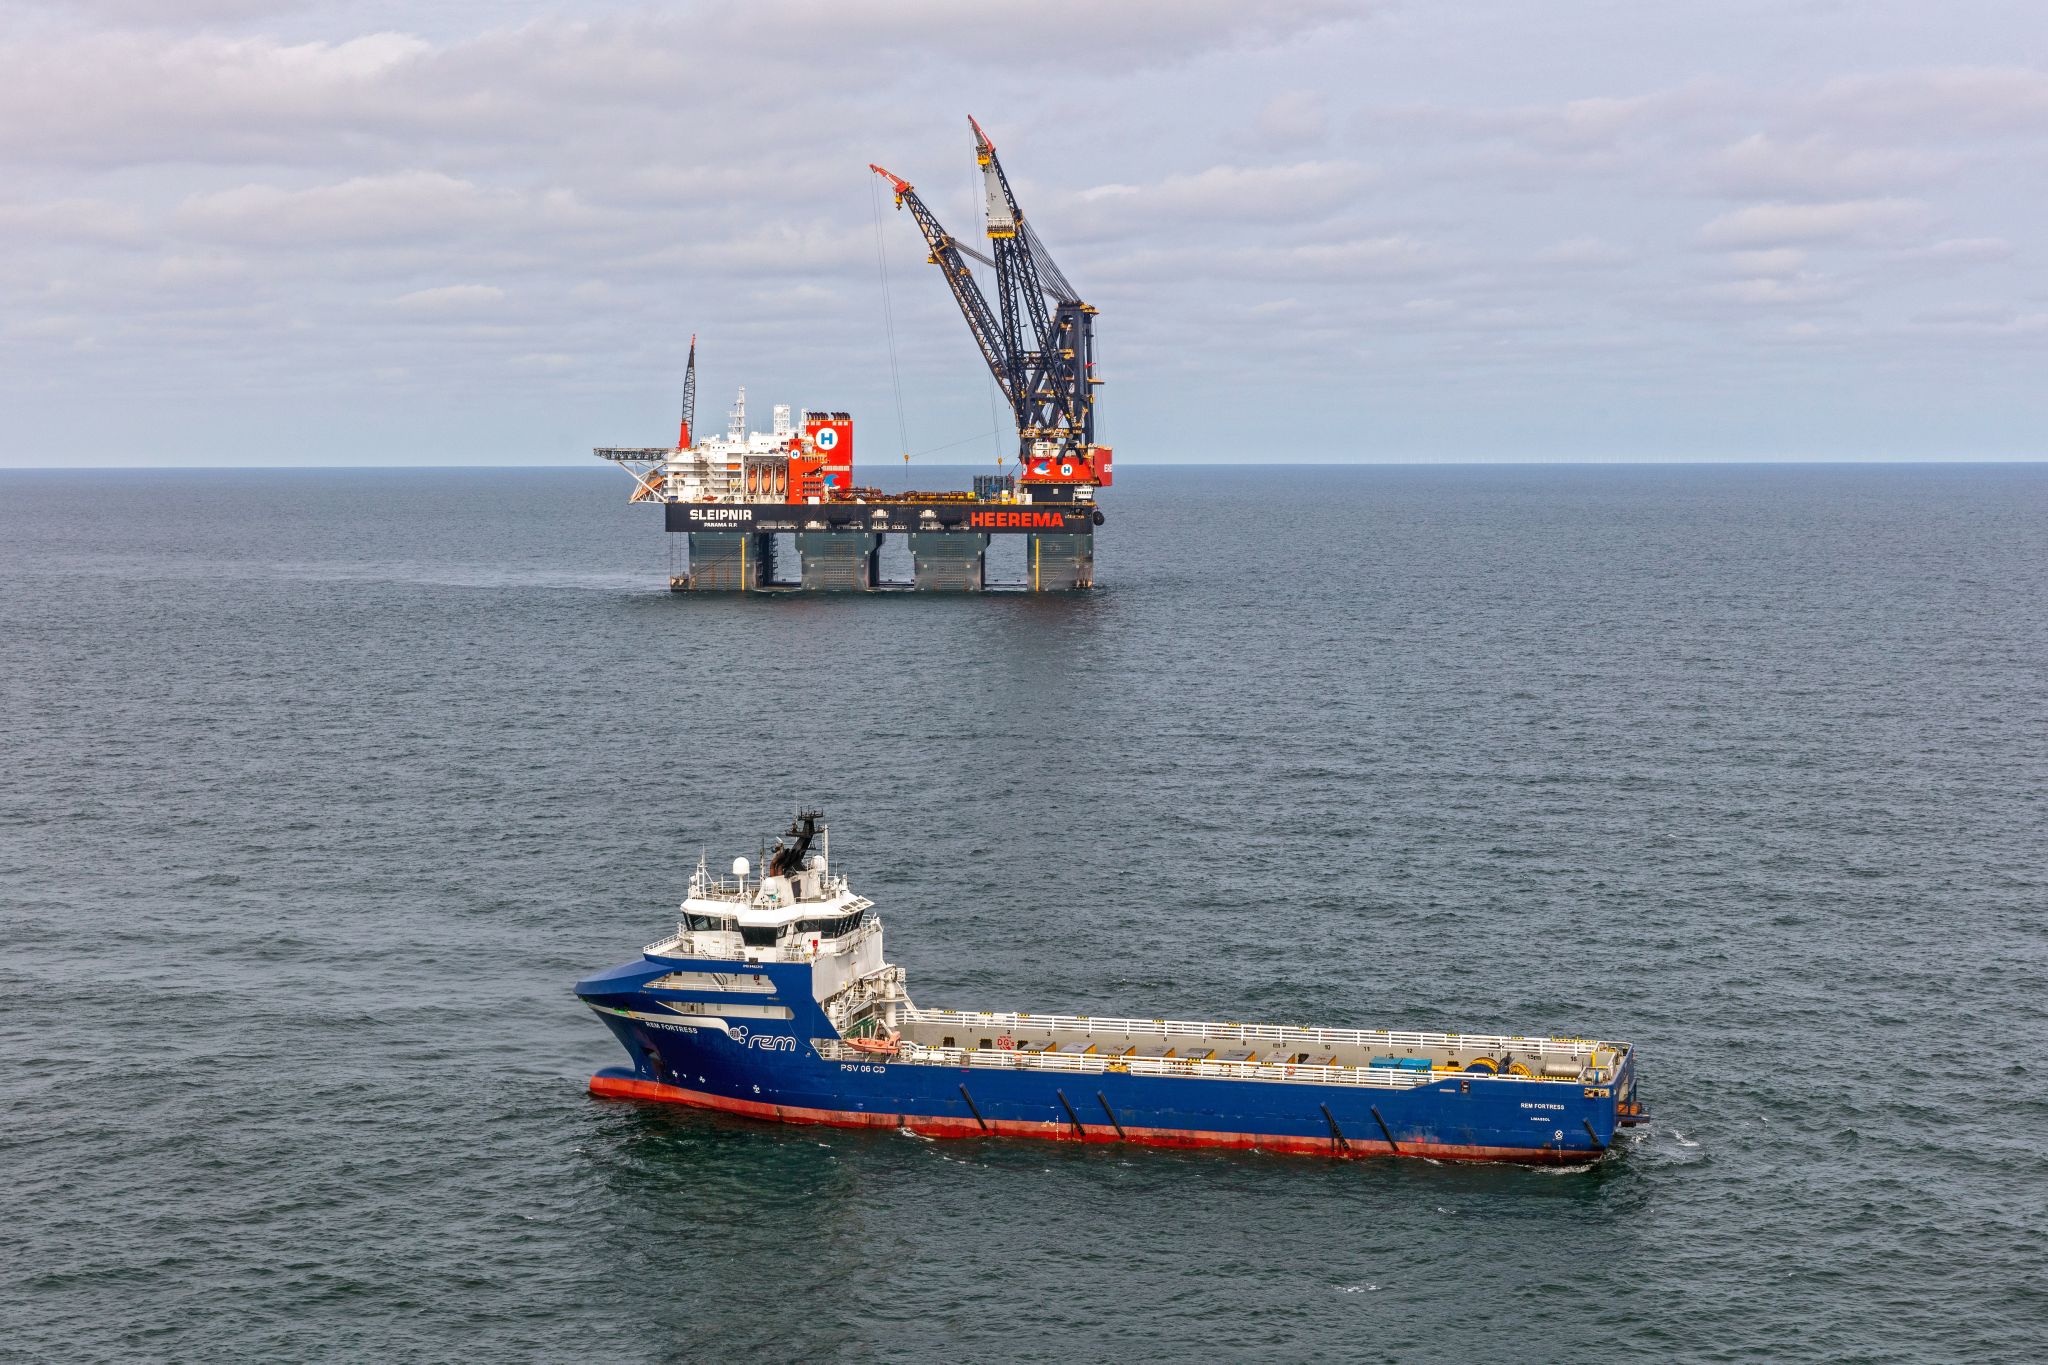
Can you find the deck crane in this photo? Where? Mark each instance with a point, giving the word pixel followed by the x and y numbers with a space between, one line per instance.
pixel 689 397
pixel 1042 358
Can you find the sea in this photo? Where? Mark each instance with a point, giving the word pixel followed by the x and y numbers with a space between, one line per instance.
pixel 320 788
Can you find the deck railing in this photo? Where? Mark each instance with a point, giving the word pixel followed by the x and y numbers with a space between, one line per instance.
pixel 1301 1039
pixel 1096 1063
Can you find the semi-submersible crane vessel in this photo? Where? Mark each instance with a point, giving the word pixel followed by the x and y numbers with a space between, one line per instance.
pixel 737 496
pixel 773 999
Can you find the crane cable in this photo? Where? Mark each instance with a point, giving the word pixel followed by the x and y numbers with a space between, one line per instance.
pixel 995 423
pixel 950 445
pixel 889 324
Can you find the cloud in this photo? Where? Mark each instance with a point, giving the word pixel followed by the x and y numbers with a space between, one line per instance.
pixel 1941 102
pixel 1982 320
pixel 1398 254
pixel 1775 224
pixel 450 300
pixel 1819 166
pixel 124 95
pixel 803 297
pixel 1372 196
pixel 1775 291
pixel 170 13
pixel 784 248
pixel 1966 251
pixel 1286 193
pixel 53 327
pixel 1568 130
pixel 201 270
pixel 408 205
pixel 1581 253
pixel 1292 118
pixel 1781 260
pixel 93 220
pixel 1328 263
pixel 1119 37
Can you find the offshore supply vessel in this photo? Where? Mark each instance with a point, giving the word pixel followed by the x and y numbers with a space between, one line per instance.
pixel 751 502
pixel 773 999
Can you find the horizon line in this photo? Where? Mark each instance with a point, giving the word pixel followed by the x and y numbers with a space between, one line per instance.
pixel 1594 462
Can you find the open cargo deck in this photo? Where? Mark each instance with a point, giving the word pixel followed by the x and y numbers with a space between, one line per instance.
pixel 1392 1059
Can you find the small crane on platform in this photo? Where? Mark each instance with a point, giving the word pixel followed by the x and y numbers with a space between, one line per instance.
pixel 689 397
pixel 1043 359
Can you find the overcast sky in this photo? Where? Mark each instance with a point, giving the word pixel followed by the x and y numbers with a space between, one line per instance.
pixel 261 232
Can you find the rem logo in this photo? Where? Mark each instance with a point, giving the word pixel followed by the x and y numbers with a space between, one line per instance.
pixel 1019 521
pixel 721 514
pixel 767 1042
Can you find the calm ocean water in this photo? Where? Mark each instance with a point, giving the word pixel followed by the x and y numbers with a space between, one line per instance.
pixel 321 788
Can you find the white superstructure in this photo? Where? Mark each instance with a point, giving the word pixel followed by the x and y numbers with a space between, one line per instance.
pixel 805 915
pixel 789 463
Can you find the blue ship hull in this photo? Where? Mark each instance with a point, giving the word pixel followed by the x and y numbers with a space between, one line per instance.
pixel 772 1068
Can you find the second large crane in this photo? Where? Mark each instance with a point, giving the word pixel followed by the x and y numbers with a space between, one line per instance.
pixel 1043 358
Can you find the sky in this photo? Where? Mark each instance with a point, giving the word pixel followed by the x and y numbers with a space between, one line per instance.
pixel 256 232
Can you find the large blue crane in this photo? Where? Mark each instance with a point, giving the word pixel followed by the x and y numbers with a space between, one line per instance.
pixel 1043 359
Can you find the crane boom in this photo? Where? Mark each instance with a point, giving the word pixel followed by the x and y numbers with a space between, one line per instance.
pixel 689 397
pixel 946 255
pixel 1017 278
pixel 1042 357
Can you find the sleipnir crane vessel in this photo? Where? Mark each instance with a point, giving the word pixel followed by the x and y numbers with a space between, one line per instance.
pixel 1043 359
pixel 781 510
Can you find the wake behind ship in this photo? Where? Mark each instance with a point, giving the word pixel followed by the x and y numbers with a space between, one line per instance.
pixel 773 999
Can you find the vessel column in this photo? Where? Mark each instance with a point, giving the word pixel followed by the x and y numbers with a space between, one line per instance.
pixel 948 561
pixel 1061 563
pixel 730 561
pixel 839 561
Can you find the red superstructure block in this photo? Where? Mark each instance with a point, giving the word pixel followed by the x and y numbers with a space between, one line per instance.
pixel 1089 468
pixel 831 436
pixel 806 478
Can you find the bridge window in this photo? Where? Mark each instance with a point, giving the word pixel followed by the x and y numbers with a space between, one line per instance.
pixel 830 928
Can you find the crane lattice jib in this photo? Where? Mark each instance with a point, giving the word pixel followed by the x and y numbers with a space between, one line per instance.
pixel 1017 276
pixel 689 398
pixel 945 254
pixel 1054 374
pixel 1044 372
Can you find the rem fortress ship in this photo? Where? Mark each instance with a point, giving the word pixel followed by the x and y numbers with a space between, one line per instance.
pixel 773 999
